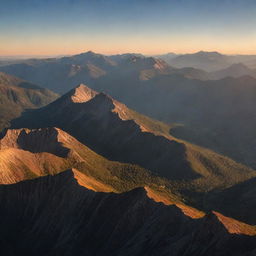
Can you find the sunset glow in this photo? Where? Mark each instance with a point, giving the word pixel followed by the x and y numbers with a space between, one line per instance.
pixel 146 26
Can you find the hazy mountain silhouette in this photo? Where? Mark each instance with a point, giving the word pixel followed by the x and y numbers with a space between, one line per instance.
pixel 208 61
pixel 235 70
pixel 62 74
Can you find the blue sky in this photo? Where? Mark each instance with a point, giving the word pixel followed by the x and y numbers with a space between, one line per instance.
pixel 109 26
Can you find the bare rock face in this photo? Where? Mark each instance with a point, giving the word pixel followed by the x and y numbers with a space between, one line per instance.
pixel 55 216
pixel 82 94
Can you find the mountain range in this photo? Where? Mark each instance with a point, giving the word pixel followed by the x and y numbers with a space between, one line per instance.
pixel 208 61
pixel 187 96
pixel 146 159
pixel 114 131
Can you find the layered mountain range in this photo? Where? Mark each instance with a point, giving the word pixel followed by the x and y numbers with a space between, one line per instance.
pixel 208 61
pixel 84 174
pixel 133 222
pixel 213 109
pixel 114 131
pixel 62 74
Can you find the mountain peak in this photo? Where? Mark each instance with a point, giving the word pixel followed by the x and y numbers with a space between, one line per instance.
pixel 82 93
pixel 208 53
pixel 88 53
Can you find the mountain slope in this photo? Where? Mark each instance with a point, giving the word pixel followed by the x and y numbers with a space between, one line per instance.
pixel 17 95
pixel 27 154
pixel 217 114
pixel 114 131
pixel 43 216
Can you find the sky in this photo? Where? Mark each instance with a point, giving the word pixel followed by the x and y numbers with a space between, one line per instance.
pixel 62 27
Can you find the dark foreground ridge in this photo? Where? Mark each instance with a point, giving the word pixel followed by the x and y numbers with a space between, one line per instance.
pixel 53 215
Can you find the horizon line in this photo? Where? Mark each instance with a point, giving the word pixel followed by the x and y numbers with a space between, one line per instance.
pixel 116 53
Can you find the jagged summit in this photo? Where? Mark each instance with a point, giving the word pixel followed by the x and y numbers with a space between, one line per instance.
pixel 82 93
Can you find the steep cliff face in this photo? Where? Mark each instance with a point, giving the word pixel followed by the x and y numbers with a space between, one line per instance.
pixel 53 215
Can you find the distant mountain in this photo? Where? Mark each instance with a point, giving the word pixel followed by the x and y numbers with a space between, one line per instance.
pixel 192 73
pixel 44 215
pixel 118 58
pixel 62 74
pixel 57 73
pixel 217 114
pixel 89 57
pixel 248 60
pixel 168 57
pixel 235 70
pixel 18 95
pixel 208 61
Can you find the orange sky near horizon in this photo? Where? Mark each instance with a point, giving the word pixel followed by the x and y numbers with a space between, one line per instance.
pixel 62 46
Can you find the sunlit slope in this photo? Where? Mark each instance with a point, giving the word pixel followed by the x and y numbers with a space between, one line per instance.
pixel 120 134
pixel 26 154
pixel 42 216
